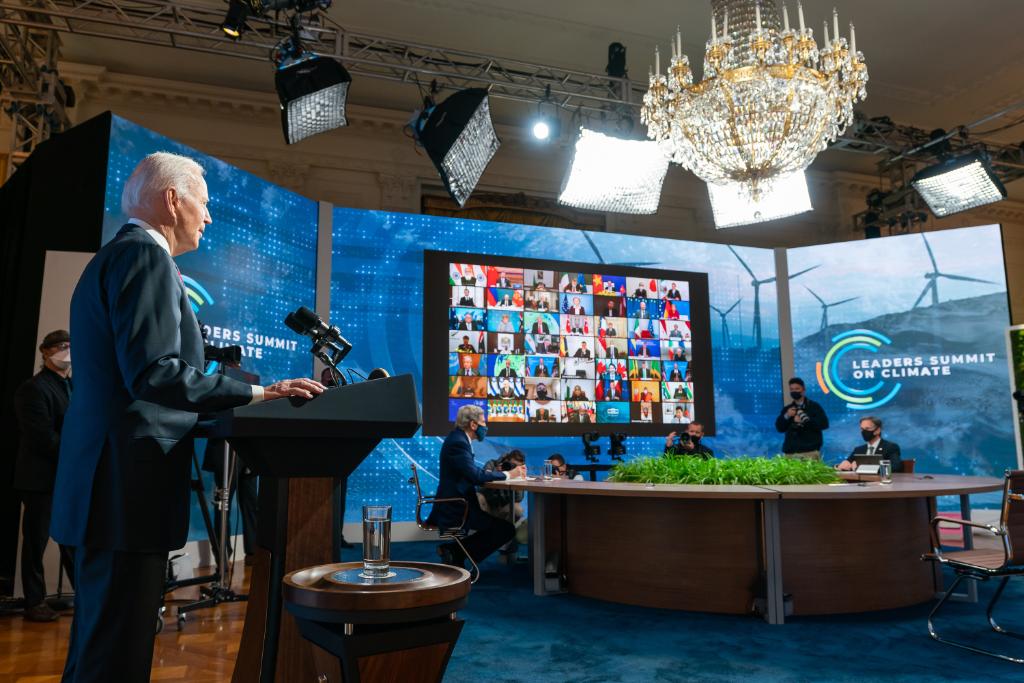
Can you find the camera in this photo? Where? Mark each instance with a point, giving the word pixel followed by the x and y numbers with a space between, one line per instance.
pixel 228 355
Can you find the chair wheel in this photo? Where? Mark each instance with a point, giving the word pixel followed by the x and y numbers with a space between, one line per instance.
pixel 159 624
pixel 181 622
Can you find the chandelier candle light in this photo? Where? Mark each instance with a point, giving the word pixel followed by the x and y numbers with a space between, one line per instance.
pixel 770 99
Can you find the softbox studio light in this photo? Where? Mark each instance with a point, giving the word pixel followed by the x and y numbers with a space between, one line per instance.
pixel 312 94
pixel 613 174
pixel 958 184
pixel 732 206
pixel 459 138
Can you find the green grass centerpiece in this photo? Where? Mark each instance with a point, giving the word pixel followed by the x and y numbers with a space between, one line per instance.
pixel 735 471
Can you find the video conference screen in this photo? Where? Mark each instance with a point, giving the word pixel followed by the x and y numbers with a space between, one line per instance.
pixel 548 347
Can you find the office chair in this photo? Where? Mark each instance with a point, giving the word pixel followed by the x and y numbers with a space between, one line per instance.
pixel 455 534
pixel 981 565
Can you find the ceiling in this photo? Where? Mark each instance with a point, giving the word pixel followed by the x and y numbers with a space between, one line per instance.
pixel 933 63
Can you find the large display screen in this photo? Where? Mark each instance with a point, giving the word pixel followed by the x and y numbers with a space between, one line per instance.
pixel 549 347
pixel 916 339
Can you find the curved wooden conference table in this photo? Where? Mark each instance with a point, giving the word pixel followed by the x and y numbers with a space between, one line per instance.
pixel 822 549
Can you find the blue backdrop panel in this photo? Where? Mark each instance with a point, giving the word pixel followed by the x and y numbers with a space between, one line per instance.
pixel 255 263
pixel 910 329
pixel 376 290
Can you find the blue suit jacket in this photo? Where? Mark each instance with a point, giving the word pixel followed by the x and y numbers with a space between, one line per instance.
pixel 459 478
pixel 125 453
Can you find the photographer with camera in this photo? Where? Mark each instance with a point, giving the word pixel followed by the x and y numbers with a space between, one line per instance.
pixel 802 421
pixel 688 444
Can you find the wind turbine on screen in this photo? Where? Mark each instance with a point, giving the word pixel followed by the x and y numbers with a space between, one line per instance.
pixel 726 337
pixel 933 278
pixel 756 284
pixel 826 306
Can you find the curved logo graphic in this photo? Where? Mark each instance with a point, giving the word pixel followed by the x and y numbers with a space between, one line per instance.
pixel 828 370
pixel 197 294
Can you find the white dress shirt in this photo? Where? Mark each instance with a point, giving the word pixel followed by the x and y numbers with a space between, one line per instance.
pixel 873 446
pixel 158 237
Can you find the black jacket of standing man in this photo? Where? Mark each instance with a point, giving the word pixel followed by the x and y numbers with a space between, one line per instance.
pixel 39 406
pixel 122 489
pixel 802 421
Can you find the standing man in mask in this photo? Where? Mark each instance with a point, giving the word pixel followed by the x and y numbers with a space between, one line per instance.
pixel 874 445
pixel 802 421
pixel 688 444
pixel 459 477
pixel 39 406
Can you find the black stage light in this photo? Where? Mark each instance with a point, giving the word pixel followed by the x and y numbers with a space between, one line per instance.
pixel 312 94
pixel 459 138
pixel 618 447
pixel 238 12
pixel 958 184
pixel 590 449
pixel 616 60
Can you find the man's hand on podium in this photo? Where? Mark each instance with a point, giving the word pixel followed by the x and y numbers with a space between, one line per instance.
pixel 303 388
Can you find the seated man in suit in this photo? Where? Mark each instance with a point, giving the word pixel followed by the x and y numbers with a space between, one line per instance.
pixel 459 478
pixel 542 369
pixel 673 293
pixel 467 298
pixel 469 324
pixel 675 375
pixel 688 444
pixel 508 370
pixel 676 333
pixel 467 369
pixel 540 327
pixel 874 445
pixel 640 292
pixel 582 352
pixel 542 391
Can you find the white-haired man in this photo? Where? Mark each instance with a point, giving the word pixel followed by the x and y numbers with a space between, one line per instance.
pixel 459 477
pixel 122 488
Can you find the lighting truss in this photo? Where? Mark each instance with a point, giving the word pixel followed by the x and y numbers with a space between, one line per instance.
pixel 958 184
pixel 197 27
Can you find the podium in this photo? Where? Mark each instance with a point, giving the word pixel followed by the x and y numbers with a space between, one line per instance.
pixel 300 449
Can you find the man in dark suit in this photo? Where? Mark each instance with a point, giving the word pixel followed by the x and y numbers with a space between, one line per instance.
pixel 640 292
pixel 459 478
pixel 674 293
pixel 583 351
pixel 468 324
pixel 467 299
pixel 39 406
pixel 675 375
pixel 874 445
pixel 121 496
pixel 540 327
pixel 504 282
pixel 508 370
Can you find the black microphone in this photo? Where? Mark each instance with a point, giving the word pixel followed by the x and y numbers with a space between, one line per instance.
pixel 294 324
pixel 313 326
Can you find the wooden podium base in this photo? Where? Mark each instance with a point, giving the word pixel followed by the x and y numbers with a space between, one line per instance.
pixel 402 631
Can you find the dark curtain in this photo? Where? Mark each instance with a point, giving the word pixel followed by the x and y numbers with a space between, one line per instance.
pixel 53 202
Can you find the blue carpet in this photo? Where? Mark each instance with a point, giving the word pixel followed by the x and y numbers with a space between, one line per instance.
pixel 511 636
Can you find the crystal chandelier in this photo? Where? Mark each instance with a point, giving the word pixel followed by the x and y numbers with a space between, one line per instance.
pixel 770 99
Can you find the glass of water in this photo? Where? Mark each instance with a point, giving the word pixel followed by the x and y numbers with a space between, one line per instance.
pixel 885 471
pixel 376 541
pixel 549 470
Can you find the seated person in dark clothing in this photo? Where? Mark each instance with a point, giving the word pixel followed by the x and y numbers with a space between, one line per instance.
pixel 497 502
pixel 688 444
pixel 561 470
pixel 459 478
pixel 874 446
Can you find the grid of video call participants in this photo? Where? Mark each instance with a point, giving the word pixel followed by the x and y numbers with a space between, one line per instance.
pixel 568 347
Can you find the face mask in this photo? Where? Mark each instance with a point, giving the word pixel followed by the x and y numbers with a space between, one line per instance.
pixel 796 395
pixel 867 435
pixel 481 432
pixel 62 359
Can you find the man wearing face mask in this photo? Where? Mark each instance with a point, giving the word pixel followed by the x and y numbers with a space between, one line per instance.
pixel 802 421
pixel 874 445
pixel 459 477
pixel 688 444
pixel 39 406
